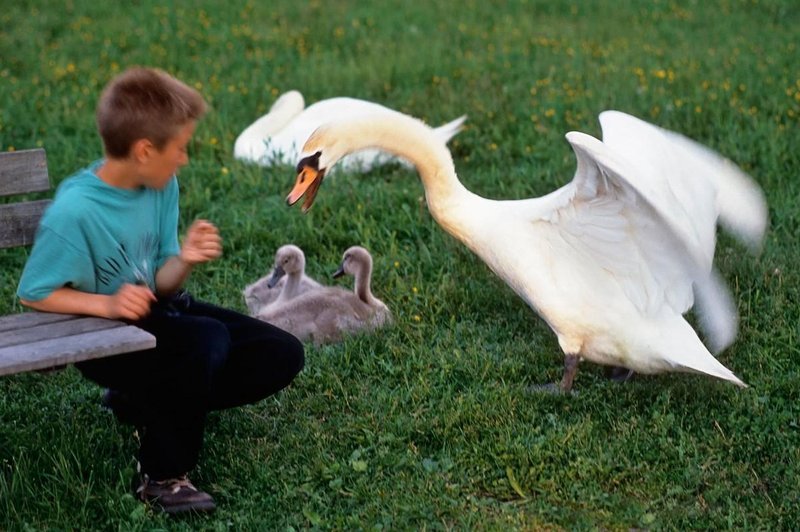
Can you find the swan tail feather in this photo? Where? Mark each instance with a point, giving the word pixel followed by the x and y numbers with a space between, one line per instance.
pixel 450 129
pixel 683 350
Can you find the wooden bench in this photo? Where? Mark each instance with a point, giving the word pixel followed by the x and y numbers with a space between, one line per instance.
pixel 41 340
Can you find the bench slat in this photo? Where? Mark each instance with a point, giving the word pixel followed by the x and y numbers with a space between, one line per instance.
pixel 23 171
pixel 58 329
pixel 19 221
pixel 85 346
pixel 32 319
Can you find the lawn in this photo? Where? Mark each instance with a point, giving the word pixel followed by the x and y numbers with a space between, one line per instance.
pixel 429 424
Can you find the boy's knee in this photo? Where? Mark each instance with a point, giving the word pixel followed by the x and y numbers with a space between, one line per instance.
pixel 295 354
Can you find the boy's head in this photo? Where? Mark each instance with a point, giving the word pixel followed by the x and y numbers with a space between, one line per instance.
pixel 145 103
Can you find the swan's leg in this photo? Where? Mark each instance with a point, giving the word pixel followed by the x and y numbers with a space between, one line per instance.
pixel 565 386
pixel 570 368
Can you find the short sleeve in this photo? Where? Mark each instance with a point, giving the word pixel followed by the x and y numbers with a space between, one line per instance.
pixel 54 263
pixel 168 244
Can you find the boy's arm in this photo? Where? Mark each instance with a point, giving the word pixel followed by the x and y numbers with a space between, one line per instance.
pixel 202 244
pixel 171 275
pixel 131 302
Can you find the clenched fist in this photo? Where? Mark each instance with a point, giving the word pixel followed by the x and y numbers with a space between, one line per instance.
pixel 202 243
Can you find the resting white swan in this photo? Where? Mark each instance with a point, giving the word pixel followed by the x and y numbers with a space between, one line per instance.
pixel 278 136
pixel 286 280
pixel 326 314
pixel 610 259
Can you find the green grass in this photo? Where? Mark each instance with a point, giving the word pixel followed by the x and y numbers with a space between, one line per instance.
pixel 429 424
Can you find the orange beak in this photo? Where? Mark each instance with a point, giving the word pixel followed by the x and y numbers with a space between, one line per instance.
pixel 308 181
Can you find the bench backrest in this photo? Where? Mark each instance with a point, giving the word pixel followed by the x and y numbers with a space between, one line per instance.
pixel 22 172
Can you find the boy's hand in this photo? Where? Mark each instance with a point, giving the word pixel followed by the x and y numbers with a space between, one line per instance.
pixel 131 302
pixel 202 243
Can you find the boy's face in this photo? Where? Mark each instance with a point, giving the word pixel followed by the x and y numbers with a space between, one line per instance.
pixel 159 166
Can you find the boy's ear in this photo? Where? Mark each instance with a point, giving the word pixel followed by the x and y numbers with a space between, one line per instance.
pixel 142 149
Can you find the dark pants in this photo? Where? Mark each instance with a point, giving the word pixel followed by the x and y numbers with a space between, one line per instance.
pixel 206 358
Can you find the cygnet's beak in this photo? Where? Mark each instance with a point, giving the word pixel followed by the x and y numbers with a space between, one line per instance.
pixel 338 273
pixel 309 178
pixel 277 273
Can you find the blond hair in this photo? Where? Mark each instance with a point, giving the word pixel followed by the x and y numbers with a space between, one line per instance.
pixel 145 103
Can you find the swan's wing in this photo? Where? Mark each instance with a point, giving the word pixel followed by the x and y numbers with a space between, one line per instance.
pixel 608 223
pixel 611 223
pixel 689 184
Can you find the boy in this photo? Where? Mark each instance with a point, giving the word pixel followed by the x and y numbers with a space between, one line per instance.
pixel 108 246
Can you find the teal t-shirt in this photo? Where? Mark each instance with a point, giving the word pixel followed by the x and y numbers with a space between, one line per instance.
pixel 95 237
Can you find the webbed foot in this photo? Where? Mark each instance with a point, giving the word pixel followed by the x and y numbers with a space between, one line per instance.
pixel 619 374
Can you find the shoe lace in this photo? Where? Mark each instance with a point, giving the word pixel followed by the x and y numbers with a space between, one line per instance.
pixel 173 484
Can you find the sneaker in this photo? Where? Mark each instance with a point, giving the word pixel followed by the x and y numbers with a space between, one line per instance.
pixel 123 407
pixel 174 495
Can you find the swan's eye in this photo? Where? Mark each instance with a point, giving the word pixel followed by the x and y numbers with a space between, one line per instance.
pixel 311 160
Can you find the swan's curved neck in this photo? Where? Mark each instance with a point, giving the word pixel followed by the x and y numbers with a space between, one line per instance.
pixel 292 285
pixel 279 115
pixel 412 140
pixel 361 285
